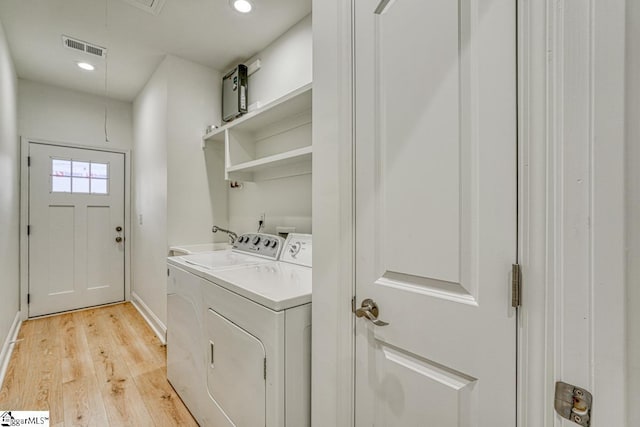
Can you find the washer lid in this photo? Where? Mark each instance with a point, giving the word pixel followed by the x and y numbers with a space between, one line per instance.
pixel 219 259
pixel 275 285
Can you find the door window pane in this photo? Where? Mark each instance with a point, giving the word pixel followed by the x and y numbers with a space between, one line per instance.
pixel 81 169
pixel 99 186
pixel 80 185
pixel 71 176
pixel 61 184
pixel 60 167
pixel 99 170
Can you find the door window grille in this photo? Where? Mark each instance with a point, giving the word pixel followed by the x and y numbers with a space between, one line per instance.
pixel 74 176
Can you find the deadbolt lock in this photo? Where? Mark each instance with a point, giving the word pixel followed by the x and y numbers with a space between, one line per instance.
pixel 118 229
pixel 118 239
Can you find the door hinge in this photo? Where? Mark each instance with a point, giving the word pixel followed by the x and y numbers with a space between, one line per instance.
pixel 28 298
pixel 265 368
pixel 168 274
pixel 28 161
pixel 28 230
pixel 516 286
pixel 353 304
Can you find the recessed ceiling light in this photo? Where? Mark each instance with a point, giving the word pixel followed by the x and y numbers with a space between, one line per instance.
pixel 86 66
pixel 242 6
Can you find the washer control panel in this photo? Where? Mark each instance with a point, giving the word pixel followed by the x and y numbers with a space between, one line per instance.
pixel 259 244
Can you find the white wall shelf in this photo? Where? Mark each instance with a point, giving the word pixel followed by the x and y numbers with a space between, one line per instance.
pixel 260 168
pixel 271 142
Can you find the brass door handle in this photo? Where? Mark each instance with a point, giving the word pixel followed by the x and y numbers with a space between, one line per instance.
pixel 118 239
pixel 369 310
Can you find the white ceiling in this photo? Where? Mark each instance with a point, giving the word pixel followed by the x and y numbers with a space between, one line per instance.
pixel 208 32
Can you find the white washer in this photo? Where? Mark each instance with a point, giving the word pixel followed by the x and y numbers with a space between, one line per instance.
pixel 243 336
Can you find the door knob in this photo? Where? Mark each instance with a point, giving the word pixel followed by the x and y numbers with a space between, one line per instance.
pixel 369 310
pixel 118 239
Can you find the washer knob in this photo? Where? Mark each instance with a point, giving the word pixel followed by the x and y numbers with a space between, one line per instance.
pixel 267 242
pixel 274 243
pixel 256 240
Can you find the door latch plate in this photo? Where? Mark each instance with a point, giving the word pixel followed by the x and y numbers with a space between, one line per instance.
pixel 573 403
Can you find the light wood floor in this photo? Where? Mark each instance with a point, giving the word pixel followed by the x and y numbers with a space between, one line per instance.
pixel 99 367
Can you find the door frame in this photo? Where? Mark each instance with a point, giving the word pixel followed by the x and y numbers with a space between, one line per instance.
pixel 565 202
pixel 332 373
pixel 24 215
pixel 541 359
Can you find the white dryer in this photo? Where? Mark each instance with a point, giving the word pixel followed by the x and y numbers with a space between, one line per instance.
pixel 245 352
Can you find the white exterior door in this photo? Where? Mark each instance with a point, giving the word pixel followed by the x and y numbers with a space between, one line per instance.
pixel 76 228
pixel 435 126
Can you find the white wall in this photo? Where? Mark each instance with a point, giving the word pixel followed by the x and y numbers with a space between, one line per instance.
pixel 55 114
pixel 9 190
pixel 286 66
pixel 149 206
pixel 179 189
pixel 196 190
pixel 633 211
pixel 284 201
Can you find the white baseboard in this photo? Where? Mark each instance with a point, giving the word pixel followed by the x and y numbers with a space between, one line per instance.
pixel 156 324
pixel 7 347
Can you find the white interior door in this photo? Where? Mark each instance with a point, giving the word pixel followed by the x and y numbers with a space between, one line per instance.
pixel 76 228
pixel 435 126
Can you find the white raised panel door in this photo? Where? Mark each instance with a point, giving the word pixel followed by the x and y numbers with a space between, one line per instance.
pixel 435 129
pixel 76 203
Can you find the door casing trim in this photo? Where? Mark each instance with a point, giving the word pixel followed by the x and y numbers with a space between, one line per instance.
pixel 561 112
pixel 332 393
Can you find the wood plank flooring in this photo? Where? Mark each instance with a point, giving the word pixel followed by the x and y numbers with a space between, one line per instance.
pixel 98 367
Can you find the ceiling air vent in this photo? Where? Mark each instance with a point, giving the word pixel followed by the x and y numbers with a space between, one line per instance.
pixel 151 6
pixel 89 48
